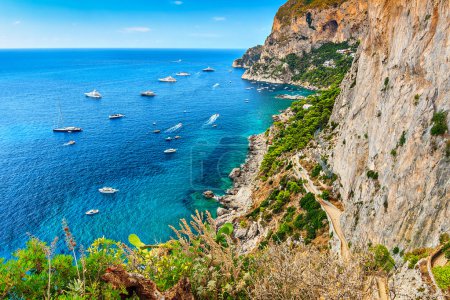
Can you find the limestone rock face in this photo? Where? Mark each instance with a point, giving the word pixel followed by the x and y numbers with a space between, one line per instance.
pixel 299 32
pixel 251 56
pixel 400 78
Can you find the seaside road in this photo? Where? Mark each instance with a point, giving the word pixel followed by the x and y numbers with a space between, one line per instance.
pixel 334 214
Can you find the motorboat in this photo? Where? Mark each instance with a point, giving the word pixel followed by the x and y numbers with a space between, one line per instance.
pixel 171 150
pixel 92 212
pixel 108 190
pixel 148 94
pixel 168 139
pixel 177 137
pixel 154 123
pixel 208 69
pixel 68 129
pixel 214 125
pixel 69 143
pixel 116 116
pixel 249 88
pixel 156 131
pixel 183 74
pixel 167 79
pixel 94 94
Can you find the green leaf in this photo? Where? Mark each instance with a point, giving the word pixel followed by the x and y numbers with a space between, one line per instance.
pixel 226 229
pixel 135 241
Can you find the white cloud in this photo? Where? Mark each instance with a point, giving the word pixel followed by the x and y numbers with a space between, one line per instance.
pixel 177 2
pixel 17 22
pixel 136 29
pixel 218 19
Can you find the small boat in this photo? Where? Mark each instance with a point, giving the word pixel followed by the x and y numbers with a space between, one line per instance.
pixel 69 129
pixel 167 79
pixel 168 139
pixel 171 150
pixel 156 131
pixel 69 143
pixel 214 125
pixel 183 74
pixel 116 116
pixel 148 94
pixel 108 190
pixel 216 85
pixel 92 212
pixel 246 101
pixel 249 88
pixel 177 137
pixel 94 94
pixel 154 123
pixel 177 61
pixel 208 69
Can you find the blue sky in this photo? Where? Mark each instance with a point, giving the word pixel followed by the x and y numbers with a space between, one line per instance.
pixel 135 23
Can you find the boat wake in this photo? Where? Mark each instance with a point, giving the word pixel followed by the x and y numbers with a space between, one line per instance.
pixel 174 128
pixel 212 119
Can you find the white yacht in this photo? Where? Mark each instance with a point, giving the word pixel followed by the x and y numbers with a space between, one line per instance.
pixel 148 94
pixel 69 143
pixel 68 129
pixel 168 79
pixel 183 74
pixel 208 69
pixel 116 116
pixel 92 212
pixel 168 139
pixel 171 150
pixel 94 94
pixel 108 190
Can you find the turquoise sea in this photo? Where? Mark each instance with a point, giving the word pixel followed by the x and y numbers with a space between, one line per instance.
pixel 42 181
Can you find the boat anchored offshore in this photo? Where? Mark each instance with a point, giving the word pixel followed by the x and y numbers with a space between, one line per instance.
pixel 168 79
pixel 94 94
pixel 156 131
pixel 183 74
pixel 168 139
pixel 148 94
pixel 171 150
pixel 208 69
pixel 108 190
pixel 69 143
pixel 68 129
pixel 116 116
pixel 92 212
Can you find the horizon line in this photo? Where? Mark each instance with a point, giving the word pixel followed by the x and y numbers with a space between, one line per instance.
pixel 117 48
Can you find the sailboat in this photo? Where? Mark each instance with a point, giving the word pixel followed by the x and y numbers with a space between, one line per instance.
pixel 68 129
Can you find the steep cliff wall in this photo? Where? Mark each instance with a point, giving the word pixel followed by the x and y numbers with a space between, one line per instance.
pixel 400 80
pixel 299 28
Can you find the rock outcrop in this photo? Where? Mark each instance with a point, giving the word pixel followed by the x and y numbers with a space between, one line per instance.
pixel 400 80
pixel 300 30
pixel 250 57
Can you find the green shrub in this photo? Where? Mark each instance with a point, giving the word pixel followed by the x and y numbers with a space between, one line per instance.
pixel 372 174
pixel 402 140
pixel 396 250
pixel 316 170
pixel 440 123
pixel 308 202
pixel 325 195
pixel 442 276
pixel 382 258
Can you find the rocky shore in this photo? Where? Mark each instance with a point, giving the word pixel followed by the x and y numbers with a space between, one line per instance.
pixel 238 199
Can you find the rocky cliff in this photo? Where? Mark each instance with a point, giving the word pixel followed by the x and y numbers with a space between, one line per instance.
pixel 393 169
pixel 398 83
pixel 250 57
pixel 299 28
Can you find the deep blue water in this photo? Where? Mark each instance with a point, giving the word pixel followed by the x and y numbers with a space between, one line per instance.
pixel 42 181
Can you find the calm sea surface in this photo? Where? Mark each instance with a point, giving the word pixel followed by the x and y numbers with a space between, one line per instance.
pixel 42 181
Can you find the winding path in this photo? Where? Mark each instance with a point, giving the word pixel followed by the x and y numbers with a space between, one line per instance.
pixel 334 214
